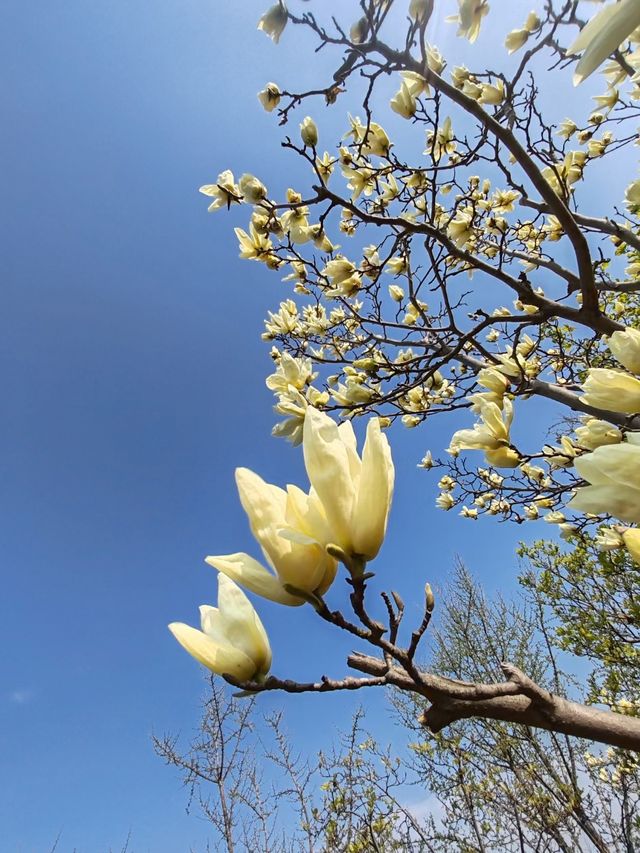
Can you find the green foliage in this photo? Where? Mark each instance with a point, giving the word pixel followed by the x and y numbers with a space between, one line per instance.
pixel 508 788
pixel 595 599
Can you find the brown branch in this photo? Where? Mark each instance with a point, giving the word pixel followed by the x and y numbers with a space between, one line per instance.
pixel 501 132
pixel 518 700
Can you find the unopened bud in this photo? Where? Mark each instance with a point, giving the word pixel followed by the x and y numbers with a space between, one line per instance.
pixel 309 132
pixel 429 598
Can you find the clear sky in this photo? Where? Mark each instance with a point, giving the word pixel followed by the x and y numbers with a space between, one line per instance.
pixel 133 384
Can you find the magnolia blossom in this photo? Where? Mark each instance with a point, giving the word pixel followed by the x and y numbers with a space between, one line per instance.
pixel 232 640
pixel 614 390
pixel 470 15
pixel 490 435
pixel 516 39
pixel 613 472
pixel 224 192
pixel 292 530
pixel 253 246
pixel 290 371
pixel 355 492
pixel 596 433
pixel 309 132
pixel 404 102
pixel 632 196
pixel 252 189
pixel 631 539
pixel 269 97
pixel 603 35
pixel 625 345
pixel 273 22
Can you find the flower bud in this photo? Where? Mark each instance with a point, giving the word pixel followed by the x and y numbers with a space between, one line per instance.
pixel 309 132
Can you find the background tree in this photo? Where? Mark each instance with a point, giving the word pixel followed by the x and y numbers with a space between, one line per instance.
pixel 480 786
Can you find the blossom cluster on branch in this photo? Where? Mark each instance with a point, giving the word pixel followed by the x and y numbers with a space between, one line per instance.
pixel 469 277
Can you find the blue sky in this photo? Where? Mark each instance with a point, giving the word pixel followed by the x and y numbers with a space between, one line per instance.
pixel 133 384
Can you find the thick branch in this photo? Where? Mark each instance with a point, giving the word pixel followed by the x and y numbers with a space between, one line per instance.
pixel 519 700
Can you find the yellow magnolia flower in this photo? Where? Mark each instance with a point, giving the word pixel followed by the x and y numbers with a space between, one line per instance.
pixel 343 275
pixel 492 94
pixel 470 15
pixel 290 371
pixel 415 83
pixel 292 530
pixel 596 433
pixel 613 473
pixel 224 192
pixel 396 292
pixel 269 97
pixel 253 246
pixel 273 22
pixel 492 379
pixel 355 492
pixel 309 132
pixel 252 189
pixel 442 142
pixel 631 539
pixel 603 35
pixel 625 346
pixel 606 388
pixel 403 102
pixel 516 39
pixel 460 229
pixel 632 196
pixel 491 434
pixel 232 640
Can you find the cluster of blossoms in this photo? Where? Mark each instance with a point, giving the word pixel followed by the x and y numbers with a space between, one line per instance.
pixel 302 535
pixel 387 328
pixel 606 457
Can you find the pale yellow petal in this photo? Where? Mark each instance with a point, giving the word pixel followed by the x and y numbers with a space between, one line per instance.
pixel 223 660
pixel 609 29
pixel 328 465
pixel 374 494
pixel 241 625
pixel 250 574
pixel 631 539
pixel 265 506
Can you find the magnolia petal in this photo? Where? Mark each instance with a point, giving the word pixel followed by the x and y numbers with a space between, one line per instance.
pixel 223 660
pixel 328 465
pixel 265 506
pixel 305 513
pixel 478 438
pixel 607 34
pixel 491 414
pixel 374 493
pixel 609 388
pixel 502 457
pixel 210 623
pixel 590 30
pixel 253 576
pixel 330 571
pixel 631 539
pixel 614 464
pixel 348 436
pixel 602 500
pixel 293 535
pixel 241 624
pixel 625 346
